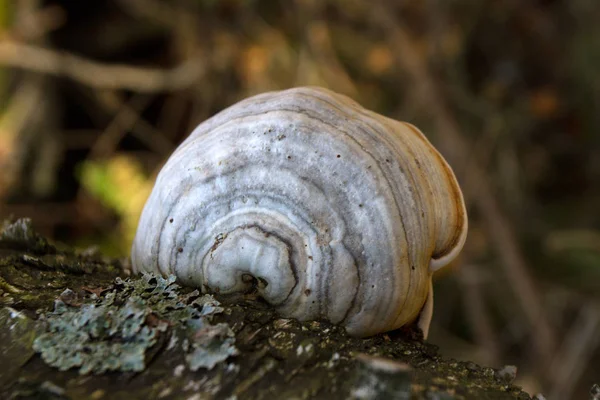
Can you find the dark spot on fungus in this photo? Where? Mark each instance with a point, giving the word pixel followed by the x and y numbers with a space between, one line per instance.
pixel 171 220
pixel 310 257
pixel 360 205
pixel 338 156
pixel 412 267
pixel 289 157
pixel 180 249
pixel 307 292
pixel 262 282
pixel 254 282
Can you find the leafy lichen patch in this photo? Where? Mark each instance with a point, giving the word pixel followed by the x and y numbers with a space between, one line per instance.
pixel 211 344
pixel 115 331
pixel 97 338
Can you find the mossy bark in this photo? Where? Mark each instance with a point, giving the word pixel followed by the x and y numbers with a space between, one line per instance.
pixel 273 358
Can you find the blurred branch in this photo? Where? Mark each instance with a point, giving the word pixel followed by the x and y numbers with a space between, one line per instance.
pixel 572 239
pixel 100 75
pixel 320 45
pixel 576 351
pixel 15 119
pixel 179 21
pixel 319 40
pixel 28 125
pixel 474 303
pixel 456 148
pixel 157 11
pixel 172 116
pixel 128 118
pixel 33 24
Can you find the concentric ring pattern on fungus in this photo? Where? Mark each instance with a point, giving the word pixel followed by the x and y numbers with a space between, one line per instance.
pixel 328 210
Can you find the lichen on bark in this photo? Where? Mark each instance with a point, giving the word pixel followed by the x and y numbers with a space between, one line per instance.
pixel 113 331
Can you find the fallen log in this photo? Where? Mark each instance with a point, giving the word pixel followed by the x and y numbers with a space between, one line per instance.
pixel 74 325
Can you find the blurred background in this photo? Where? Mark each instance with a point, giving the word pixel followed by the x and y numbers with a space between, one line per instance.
pixel 95 95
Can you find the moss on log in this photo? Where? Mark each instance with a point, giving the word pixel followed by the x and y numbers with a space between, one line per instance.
pixel 74 326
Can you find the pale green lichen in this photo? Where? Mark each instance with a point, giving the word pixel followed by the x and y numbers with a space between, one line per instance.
pixel 114 332
pixel 98 338
pixel 212 344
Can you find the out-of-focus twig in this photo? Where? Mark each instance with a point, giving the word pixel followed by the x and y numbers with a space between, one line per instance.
pixel 28 123
pixel 34 24
pixel 576 351
pixel 171 116
pixel 100 75
pixel 474 302
pixel 184 32
pixel 181 22
pixel 320 46
pixel 128 118
pixel 455 148
pixel 15 119
pixel 157 11
pixel 572 239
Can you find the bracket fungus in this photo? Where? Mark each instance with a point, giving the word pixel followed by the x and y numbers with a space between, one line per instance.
pixel 325 209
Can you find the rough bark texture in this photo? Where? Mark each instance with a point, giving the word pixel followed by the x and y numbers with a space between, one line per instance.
pixel 147 338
